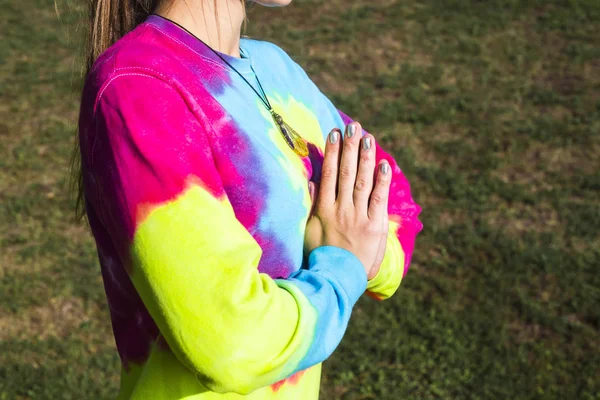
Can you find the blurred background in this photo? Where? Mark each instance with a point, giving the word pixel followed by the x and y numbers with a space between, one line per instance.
pixel 492 109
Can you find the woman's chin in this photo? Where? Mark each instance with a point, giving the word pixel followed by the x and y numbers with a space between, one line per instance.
pixel 272 3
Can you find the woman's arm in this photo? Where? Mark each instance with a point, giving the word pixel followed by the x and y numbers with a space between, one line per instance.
pixel 157 190
pixel 404 224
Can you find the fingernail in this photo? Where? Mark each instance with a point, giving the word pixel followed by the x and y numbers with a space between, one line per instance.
pixel 366 143
pixel 334 136
pixel 385 168
pixel 351 130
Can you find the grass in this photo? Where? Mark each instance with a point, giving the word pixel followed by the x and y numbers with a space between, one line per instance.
pixel 491 108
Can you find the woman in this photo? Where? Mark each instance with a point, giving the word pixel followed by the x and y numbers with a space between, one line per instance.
pixel 227 273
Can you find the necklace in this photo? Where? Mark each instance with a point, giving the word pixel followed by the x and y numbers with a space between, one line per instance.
pixel 292 138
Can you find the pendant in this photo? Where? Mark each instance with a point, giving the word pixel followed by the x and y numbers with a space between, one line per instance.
pixel 292 138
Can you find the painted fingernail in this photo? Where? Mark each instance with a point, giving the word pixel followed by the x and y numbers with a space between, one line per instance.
pixel 385 168
pixel 334 136
pixel 351 130
pixel 366 143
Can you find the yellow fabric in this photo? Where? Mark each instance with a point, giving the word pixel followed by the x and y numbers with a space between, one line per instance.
pixel 164 377
pixel 200 326
pixel 389 277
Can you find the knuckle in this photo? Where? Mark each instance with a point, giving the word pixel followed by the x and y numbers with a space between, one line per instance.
pixel 377 199
pixel 345 171
pixel 328 172
pixel 366 157
pixel 361 184
pixel 348 145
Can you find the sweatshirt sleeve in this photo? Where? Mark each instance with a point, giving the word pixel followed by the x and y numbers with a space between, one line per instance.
pixel 194 265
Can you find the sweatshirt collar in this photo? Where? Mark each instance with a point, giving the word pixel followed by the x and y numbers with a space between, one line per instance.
pixel 177 32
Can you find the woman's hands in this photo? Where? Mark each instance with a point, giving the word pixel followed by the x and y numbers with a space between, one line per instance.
pixel 349 210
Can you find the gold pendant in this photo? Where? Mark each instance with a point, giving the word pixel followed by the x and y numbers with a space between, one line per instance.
pixel 292 138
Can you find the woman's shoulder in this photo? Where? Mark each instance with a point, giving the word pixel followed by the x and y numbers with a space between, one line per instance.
pixel 142 51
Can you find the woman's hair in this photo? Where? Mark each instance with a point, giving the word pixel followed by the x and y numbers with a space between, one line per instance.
pixel 109 20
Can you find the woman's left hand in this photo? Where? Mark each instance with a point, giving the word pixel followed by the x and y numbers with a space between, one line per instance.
pixel 313 189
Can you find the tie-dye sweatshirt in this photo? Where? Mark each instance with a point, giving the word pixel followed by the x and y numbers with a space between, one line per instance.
pixel 198 208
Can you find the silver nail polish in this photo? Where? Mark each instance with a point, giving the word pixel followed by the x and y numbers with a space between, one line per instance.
pixel 366 143
pixel 333 136
pixel 385 168
pixel 351 130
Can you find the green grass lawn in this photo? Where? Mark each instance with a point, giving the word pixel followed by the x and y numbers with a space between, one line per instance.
pixel 492 108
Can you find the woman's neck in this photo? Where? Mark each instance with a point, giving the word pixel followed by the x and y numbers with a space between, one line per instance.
pixel 218 27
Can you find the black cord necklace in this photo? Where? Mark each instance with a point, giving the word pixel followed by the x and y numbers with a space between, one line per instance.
pixel 292 138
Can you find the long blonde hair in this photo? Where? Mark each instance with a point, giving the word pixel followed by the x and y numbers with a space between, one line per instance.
pixel 109 20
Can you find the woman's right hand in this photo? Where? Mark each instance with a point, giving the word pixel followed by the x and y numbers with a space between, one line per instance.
pixel 349 208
